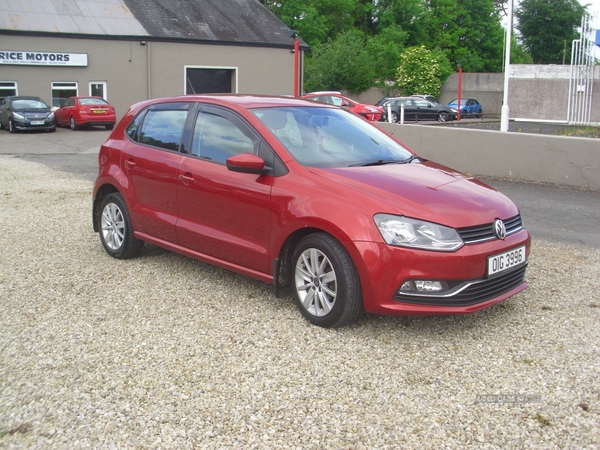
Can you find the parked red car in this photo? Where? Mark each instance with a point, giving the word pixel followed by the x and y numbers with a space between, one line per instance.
pixel 80 112
pixel 370 112
pixel 311 198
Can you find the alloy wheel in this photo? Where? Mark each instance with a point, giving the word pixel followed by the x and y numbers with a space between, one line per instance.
pixel 113 226
pixel 316 282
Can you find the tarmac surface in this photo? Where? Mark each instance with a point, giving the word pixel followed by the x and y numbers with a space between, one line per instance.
pixel 551 212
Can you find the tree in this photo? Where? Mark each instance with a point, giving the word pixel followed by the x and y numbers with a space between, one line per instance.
pixel 315 21
pixel 341 63
pixel 385 49
pixel 547 27
pixel 469 32
pixel 421 71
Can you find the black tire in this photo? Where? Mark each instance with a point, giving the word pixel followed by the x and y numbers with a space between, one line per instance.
pixel 115 229
pixel 326 286
pixel 480 113
pixel 11 127
pixel 442 117
pixel 395 118
pixel 109 127
pixel 73 124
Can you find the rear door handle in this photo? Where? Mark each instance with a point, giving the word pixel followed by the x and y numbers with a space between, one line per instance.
pixel 129 163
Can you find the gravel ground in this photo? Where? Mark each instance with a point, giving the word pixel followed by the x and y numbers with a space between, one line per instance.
pixel 166 352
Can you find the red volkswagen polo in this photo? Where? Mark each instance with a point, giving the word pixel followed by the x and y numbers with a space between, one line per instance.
pixel 311 198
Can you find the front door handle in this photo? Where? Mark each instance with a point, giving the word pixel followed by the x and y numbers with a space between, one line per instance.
pixel 186 178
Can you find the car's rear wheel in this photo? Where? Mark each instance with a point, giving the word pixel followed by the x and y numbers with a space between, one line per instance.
pixel 442 117
pixel 74 125
pixel 326 285
pixel 395 118
pixel 116 231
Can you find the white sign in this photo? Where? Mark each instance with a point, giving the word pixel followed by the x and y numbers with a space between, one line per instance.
pixel 28 58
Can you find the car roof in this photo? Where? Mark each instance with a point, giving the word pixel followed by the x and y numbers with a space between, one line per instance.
pixel 247 101
pixel 24 97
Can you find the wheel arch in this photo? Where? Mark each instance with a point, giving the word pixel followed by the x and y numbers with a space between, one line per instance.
pixel 102 192
pixel 283 271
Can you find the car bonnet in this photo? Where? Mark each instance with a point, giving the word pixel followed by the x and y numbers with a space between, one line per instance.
pixel 427 191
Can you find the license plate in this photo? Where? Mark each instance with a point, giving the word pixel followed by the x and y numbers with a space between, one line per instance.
pixel 99 111
pixel 505 261
pixel 37 122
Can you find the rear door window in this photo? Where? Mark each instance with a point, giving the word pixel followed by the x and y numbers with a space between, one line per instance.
pixel 160 126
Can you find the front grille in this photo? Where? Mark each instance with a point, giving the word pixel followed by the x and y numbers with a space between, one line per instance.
pixel 476 291
pixel 480 233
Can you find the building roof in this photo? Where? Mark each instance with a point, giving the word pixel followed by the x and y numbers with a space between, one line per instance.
pixel 241 22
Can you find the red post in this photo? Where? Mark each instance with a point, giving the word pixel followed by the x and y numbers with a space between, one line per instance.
pixel 296 67
pixel 459 90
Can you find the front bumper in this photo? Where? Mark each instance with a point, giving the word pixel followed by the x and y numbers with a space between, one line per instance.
pixel 384 269
pixel 27 126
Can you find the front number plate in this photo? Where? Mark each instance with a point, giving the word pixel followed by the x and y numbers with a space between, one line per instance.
pixel 505 261
pixel 37 122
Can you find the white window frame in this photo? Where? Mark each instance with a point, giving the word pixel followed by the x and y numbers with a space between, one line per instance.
pixel 235 71
pixel 14 86
pixel 63 85
pixel 104 89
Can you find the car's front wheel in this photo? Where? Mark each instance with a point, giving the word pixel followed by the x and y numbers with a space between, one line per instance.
pixel 11 127
pixel 326 285
pixel 442 117
pixel 116 231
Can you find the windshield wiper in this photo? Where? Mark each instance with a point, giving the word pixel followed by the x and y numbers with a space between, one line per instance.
pixel 410 159
pixel 377 162
pixel 383 162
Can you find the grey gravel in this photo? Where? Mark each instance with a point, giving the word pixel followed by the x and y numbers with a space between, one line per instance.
pixel 163 351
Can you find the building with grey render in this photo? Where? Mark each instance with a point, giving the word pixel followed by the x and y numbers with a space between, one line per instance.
pixel 131 50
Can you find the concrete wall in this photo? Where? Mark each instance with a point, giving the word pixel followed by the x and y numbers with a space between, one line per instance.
pixel 551 159
pixel 535 92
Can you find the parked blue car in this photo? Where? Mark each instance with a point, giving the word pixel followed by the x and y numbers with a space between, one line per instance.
pixel 468 107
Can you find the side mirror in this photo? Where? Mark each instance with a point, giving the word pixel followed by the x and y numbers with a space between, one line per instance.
pixel 247 163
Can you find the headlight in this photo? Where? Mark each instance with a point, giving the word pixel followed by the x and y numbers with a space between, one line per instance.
pixel 18 116
pixel 405 232
pixel 51 115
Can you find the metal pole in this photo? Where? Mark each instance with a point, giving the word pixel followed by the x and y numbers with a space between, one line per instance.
pixel 296 66
pixel 505 110
pixel 459 91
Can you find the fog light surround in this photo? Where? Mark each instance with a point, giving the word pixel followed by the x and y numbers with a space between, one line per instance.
pixel 423 287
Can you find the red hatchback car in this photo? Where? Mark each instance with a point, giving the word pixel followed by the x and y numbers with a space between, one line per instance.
pixel 78 112
pixel 310 198
pixel 369 112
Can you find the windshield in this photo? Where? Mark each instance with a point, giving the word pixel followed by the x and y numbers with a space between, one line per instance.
pixel 328 137
pixel 25 104
pixel 462 101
